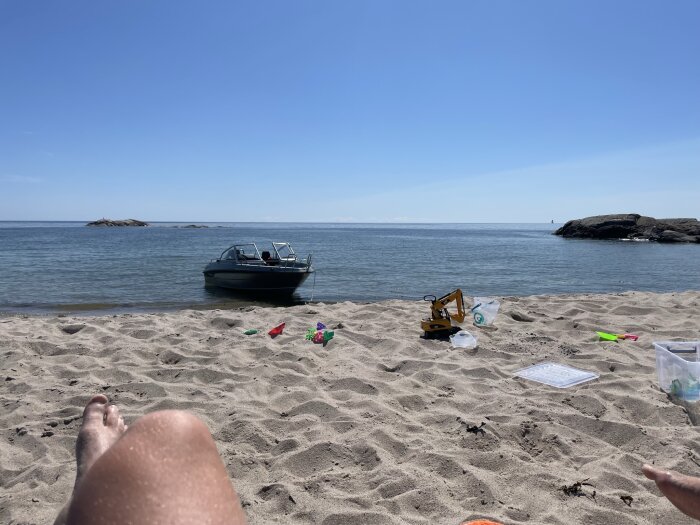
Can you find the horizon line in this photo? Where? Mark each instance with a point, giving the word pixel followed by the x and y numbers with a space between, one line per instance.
pixel 290 222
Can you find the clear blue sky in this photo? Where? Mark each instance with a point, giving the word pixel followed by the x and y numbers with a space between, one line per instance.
pixel 374 110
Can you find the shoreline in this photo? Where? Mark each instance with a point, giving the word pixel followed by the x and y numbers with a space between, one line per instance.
pixel 373 427
pixel 234 303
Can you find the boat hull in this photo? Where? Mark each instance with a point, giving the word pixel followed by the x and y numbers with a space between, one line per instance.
pixel 263 280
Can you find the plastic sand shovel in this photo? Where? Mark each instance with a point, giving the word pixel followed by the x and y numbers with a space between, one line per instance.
pixel 251 331
pixel 328 335
pixel 277 330
pixel 607 337
pixel 631 337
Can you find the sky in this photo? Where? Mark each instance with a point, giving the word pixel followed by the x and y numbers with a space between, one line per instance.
pixel 354 111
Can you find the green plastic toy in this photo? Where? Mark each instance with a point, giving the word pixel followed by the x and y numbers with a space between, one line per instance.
pixel 251 331
pixel 607 337
pixel 328 335
pixel 310 333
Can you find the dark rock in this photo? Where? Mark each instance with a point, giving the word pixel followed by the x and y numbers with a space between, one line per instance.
pixel 631 226
pixel 674 236
pixel 110 222
pixel 195 226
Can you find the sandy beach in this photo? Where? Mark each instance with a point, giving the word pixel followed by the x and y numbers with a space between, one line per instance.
pixel 379 426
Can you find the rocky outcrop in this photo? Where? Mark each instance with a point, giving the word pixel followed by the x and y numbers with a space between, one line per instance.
pixel 110 222
pixel 632 226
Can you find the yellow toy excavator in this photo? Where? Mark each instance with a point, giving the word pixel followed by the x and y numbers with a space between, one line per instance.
pixel 440 322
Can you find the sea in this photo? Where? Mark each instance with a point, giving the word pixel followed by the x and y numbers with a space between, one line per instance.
pixel 54 267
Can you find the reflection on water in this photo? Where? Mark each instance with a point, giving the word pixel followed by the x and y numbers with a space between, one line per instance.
pixel 217 298
pixel 226 298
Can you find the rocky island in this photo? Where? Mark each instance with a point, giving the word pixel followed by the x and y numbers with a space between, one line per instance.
pixel 110 222
pixel 632 226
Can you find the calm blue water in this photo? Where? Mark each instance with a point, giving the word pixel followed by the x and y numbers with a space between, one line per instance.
pixel 66 266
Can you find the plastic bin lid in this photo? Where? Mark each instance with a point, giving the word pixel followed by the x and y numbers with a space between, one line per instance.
pixel 555 374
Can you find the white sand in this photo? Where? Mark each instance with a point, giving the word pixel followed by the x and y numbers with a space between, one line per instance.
pixel 370 429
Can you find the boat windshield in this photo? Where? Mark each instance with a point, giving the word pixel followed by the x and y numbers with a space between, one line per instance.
pixel 242 252
pixel 284 250
pixel 273 255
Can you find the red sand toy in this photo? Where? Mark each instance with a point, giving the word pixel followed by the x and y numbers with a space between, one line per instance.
pixel 277 330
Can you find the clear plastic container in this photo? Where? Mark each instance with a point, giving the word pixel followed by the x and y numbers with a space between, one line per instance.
pixel 485 310
pixel 557 375
pixel 463 339
pixel 678 368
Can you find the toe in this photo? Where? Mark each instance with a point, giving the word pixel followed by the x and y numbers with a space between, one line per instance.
pixel 649 471
pixel 112 419
pixel 95 410
pixel 655 474
pixel 99 398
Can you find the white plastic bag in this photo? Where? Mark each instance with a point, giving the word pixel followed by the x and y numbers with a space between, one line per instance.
pixel 463 339
pixel 485 310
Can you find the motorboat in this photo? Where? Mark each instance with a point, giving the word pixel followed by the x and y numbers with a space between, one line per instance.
pixel 244 268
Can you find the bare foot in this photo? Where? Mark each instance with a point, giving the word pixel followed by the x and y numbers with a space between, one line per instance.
pixel 682 491
pixel 102 427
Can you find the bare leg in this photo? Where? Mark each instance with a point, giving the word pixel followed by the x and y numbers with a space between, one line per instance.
pixel 682 491
pixel 165 469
